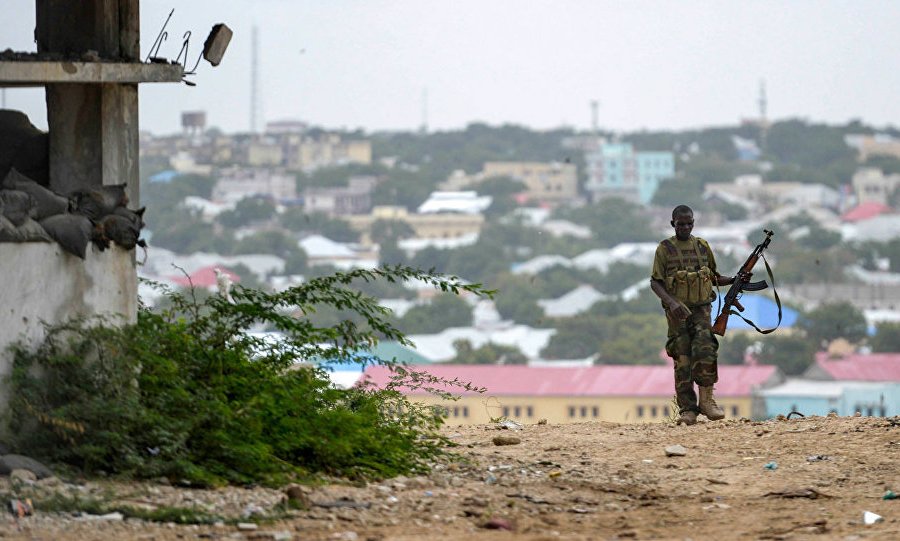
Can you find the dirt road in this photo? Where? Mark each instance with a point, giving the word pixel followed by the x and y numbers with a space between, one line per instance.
pixel 575 481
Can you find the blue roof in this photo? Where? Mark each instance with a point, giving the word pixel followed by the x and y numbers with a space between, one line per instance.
pixel 164 176
pixel 760 310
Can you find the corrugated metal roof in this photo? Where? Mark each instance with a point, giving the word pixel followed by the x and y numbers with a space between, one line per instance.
pixel 606 380
pixel 861 367
pixel 816 388
pixel 866 210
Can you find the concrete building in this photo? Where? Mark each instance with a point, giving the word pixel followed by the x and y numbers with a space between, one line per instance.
pixel 553 182
pixel 310 153
pixel 816 397
pixel 616 170
pixel 871 185
pixel 616 393
pixel 43 283
pixel 425 226
pixel 355 198
pixel 236 183
pixel 880 144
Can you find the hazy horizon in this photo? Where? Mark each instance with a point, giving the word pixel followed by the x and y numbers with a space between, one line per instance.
pixel 651 65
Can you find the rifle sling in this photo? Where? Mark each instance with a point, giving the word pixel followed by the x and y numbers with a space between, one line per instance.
pixel 777 302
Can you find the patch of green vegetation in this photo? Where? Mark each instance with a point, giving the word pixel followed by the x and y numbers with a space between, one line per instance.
pixel 189 395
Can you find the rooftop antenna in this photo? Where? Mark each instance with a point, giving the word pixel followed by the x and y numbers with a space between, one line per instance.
pixel 254 79
pixel 595 123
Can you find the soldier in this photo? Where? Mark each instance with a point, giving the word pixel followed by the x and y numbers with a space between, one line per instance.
pixel 683 275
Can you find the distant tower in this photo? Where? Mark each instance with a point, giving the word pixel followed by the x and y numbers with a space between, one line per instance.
pixel 424 127
pixel 254 79
pixel 595 122
pixel 763 119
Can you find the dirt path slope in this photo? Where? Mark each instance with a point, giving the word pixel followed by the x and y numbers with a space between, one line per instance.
pixel 576 481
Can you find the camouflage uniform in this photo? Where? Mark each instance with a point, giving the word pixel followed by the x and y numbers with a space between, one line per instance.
pixel 691 343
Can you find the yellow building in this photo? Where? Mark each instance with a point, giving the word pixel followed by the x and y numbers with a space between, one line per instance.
pixel 616 393
pixel 424 226
pixel 550 182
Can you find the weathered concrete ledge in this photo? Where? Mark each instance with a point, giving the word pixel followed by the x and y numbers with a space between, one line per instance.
pixel 19 73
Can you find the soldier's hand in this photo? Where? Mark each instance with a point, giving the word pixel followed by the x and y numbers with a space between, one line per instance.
pixel 679 310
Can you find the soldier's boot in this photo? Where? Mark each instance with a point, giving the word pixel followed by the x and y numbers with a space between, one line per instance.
pixel 687 417
pixel 708 404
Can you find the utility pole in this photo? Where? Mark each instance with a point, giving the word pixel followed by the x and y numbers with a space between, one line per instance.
pixel 254 79
pixel 763 119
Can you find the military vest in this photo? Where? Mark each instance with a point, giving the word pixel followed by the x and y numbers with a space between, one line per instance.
pixel 688 276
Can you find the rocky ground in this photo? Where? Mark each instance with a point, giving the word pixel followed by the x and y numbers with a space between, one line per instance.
pixel 811 478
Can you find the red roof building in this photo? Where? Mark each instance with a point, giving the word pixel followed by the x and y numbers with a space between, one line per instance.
pixel 856 367
pixel 869 209
pixel 614 393
pixel 204 277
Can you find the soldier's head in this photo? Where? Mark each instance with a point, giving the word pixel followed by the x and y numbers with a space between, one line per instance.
pixel 683 222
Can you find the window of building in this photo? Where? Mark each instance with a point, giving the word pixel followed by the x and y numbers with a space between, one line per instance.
pixel 584 411
pixel 506 411
pixel 456 411
pixel 653 411
pixel 465 410
pixel 529 411
pixel 734 411
pixel 665 411
pixel 517 411
pixel 571 411
pixel 595 412
pixel 640 411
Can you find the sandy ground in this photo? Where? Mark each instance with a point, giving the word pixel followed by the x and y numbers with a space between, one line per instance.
pixel 579 481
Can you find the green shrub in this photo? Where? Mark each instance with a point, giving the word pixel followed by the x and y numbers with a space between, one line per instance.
pixel 189 395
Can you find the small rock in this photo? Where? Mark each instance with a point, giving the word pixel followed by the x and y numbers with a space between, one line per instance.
pixel 11 462
pixel 247 526
pixel 506 440
pixel 23 476
pixel 676 450
pixel 345 536
pixel 497 523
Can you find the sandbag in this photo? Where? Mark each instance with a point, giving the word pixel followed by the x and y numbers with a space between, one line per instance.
pixel 29 231
pixel 16 206
pixel 96 203
pixel 47 203
pixel 71 231
pixel 119 229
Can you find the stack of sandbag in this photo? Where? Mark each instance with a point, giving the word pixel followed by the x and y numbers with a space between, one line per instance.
pixel 30 212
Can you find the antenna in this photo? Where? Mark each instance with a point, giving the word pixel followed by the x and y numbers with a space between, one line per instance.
pixel 595 123
pixel 254 79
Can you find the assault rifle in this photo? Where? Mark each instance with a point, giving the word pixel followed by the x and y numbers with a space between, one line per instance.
pixel 742 283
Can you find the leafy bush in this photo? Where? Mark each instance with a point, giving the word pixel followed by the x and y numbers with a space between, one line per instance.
pixel 188 394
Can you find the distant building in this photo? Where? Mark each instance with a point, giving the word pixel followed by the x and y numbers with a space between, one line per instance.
pixel 871 185
pixel 816 397
pixel 616 170
pixel 755 191
pixel 616 393
pixel 356 198
pixel 467 202
pixel 553 182
pixel 310 153
pixel 236 183
pixel 282 127
pixel 879 144
pixel 446 226
pixel 856 367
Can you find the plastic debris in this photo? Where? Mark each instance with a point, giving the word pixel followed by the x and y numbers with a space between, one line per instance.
pixel 510 425
pixel 21 508
pixel 771 465
pixel 889 495
pixel 871 518
pixel 817 458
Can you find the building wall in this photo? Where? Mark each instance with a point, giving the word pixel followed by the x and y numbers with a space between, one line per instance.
pixel 236 185
pixel 43 283
pixel 872 185
pixel 615 170
pixel 575 409
pixel 425 226
pixel 554 182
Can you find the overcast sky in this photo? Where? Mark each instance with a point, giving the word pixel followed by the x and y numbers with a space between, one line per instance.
pixel 649 64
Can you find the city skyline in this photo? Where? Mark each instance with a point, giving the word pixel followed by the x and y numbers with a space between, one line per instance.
pixel 649 64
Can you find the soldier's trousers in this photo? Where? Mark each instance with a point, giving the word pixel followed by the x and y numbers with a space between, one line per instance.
pixel 693 346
